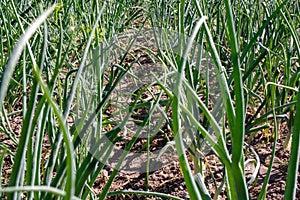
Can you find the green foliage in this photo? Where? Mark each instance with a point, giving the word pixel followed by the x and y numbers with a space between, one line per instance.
pixel 47 51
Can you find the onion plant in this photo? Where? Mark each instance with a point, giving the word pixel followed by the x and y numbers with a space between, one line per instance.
pixel 228 70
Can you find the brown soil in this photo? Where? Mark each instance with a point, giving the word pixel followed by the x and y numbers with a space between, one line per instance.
pixel 169 180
